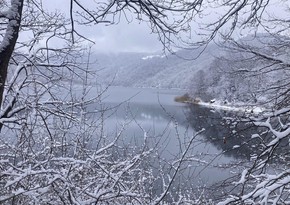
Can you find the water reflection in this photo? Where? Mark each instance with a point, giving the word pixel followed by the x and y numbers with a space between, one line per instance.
pixel 218 153
pixel 224 132
pixel 234 135
pixel 170 128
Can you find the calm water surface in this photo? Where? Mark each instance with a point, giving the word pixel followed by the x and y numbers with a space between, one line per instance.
pixel 171 125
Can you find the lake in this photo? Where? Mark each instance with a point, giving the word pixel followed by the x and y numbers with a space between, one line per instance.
pixel 216 154
pixel 202 149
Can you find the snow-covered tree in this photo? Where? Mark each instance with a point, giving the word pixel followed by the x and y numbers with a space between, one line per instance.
pixel 46 129
pixel 266 181
pixel 35 25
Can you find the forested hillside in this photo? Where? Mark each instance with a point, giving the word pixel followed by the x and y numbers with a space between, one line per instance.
pixel 153 70
pixel 232 72
pixel 246 72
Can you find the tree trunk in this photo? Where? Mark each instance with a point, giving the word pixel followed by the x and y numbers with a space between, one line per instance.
pixel 8 43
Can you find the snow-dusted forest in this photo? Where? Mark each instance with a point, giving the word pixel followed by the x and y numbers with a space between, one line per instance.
pixel 227 72
pixel 154 69
pixel 55 148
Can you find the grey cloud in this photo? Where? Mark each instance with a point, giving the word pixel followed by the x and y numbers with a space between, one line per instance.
pixel 132 37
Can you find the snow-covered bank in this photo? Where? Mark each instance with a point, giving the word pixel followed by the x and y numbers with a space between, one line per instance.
pixel 228 106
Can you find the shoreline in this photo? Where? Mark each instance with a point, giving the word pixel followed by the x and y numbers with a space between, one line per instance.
pixel 250 109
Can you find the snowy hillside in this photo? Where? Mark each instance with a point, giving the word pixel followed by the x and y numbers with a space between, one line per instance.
pixel 254 70
pixel 153 70
pixel 237 73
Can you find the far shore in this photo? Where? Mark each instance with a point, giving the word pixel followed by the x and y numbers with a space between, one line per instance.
pixel 221 105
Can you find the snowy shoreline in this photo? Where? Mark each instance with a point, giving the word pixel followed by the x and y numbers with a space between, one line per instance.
pixel 228 107
pixel 246 109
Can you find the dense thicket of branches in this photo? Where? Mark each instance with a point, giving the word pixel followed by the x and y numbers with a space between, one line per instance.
pixel 45 152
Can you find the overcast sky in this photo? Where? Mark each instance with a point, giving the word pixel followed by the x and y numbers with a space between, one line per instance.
pixel 128 37
pixel 133 37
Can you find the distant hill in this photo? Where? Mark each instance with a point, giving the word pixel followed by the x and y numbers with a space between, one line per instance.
pixel 153 70
pixel 253 70
pixel 232 73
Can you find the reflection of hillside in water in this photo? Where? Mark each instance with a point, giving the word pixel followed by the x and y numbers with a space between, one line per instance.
pixel 233 138
pixel 218 131
pixel 150 112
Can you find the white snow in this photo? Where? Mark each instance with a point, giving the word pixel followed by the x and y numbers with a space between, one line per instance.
pixel 243 177
pixel 152 56
pixel 255 136
pixel 229 107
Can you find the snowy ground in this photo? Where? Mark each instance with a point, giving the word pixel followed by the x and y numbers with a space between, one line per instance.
pixel 230 107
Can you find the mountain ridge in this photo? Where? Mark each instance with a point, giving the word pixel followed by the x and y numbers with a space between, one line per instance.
pixel 227 72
